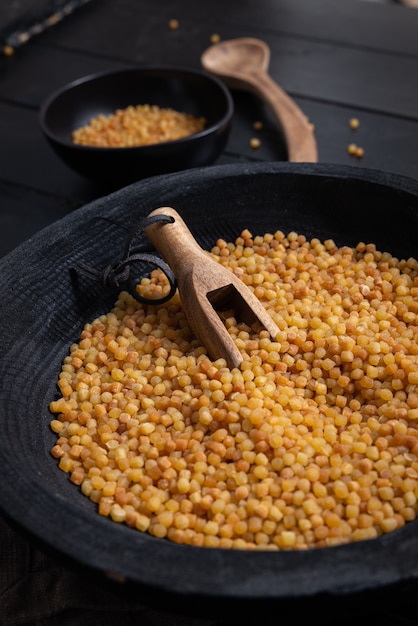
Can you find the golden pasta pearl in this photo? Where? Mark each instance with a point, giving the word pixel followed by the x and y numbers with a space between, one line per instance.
pixel 311 442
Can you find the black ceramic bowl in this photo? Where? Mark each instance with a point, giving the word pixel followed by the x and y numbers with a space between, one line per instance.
pixel 46 304
pixel 185 90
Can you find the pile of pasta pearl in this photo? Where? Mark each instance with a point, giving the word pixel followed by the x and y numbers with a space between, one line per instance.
pixel 311 442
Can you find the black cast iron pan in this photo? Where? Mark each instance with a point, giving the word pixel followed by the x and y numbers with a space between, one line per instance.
pixel 45 305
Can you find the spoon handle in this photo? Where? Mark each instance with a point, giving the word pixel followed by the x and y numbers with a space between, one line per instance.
pixel 298 133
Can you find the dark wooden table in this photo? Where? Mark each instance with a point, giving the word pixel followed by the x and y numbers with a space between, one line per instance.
pixel 338 60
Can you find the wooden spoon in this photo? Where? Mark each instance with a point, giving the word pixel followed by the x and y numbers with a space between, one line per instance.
pixel 206 288
pixel 243 64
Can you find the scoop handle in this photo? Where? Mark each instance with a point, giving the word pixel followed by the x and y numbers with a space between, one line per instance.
pixel 174 241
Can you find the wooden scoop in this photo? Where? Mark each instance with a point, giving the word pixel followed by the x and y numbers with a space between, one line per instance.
pixel 243 64
pixel 206 287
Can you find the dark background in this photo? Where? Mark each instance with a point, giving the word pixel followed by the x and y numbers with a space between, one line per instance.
pixel 338 59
